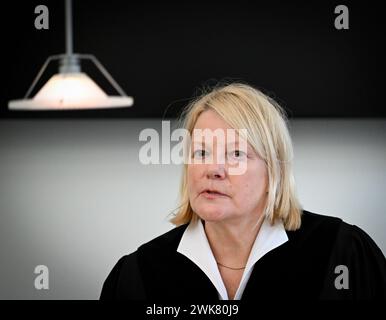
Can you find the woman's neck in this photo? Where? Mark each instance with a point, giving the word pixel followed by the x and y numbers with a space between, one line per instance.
pixel 231 241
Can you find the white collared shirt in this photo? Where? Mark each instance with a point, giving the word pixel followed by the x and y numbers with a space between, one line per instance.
pixel 195 246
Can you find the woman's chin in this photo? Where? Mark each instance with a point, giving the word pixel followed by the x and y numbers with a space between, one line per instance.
pixel 212 215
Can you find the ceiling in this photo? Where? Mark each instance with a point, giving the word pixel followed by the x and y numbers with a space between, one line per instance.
pixel 164 53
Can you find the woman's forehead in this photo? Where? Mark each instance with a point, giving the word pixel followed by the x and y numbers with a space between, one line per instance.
pixel 210 128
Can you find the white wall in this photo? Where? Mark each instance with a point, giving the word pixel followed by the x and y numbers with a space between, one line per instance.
pixel 74 197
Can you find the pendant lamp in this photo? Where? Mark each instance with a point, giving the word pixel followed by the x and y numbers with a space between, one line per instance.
pixel 71 88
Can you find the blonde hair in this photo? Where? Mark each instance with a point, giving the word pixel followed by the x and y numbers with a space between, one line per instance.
pixel 243 106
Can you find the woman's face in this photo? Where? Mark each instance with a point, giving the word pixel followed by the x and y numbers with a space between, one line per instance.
pixel 242 195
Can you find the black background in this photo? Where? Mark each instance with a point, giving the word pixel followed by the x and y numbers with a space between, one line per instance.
pixel 162 52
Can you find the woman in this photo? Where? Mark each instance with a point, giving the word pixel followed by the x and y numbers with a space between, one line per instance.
pixel 244 235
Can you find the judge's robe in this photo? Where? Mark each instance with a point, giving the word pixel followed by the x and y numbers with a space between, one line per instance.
pixel 304 267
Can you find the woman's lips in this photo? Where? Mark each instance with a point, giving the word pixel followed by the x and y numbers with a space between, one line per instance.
pixel 213 195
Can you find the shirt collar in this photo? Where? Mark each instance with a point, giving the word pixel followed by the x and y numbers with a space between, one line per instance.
pixel 195 246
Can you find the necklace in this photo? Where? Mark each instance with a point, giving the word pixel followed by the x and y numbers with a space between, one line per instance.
pixel 230 267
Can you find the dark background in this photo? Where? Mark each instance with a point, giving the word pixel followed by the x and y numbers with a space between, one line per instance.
pixel 162 52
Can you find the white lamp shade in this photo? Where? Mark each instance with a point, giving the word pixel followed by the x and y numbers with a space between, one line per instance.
pixel 70 91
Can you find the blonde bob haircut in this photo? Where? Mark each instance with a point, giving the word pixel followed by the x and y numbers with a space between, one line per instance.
pixel 243 106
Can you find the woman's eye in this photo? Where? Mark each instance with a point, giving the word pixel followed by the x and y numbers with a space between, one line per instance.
pixel 238 154
pixel 198 154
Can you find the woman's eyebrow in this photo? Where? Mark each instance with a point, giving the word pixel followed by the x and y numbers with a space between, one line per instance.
pixel 198 143
pixel 237 143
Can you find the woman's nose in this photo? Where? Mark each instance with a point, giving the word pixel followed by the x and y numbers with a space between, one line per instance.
pixel 216 172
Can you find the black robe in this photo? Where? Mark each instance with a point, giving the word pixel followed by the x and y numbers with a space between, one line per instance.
pixel 304 267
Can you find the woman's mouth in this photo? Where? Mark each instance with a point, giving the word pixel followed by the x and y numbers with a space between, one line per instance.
pixel 213 194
